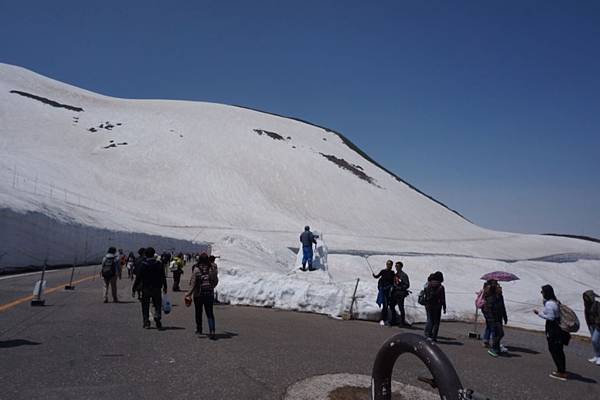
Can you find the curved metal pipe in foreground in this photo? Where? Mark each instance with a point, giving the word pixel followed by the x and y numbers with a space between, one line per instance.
pixel 444 374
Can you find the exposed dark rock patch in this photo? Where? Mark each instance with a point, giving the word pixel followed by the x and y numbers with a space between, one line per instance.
pixel 47 101
pixel 324 139
pixel 340 162
pixel 105 125
pixel 272 135
pixel 289 138
pixel 113 144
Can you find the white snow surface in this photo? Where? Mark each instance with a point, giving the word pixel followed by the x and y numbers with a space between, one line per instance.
pixel 212 173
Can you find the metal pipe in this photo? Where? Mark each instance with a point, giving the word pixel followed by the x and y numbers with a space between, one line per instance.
pixel 444 374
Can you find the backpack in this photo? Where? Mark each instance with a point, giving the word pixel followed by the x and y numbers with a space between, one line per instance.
pixel 108 267
pixel 480 300
pixel 424 297
pixel 568 319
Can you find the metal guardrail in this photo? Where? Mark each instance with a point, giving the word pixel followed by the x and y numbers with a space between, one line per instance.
pixel 445 378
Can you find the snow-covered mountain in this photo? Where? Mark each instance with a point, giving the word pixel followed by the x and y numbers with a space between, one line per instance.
pixel 80 171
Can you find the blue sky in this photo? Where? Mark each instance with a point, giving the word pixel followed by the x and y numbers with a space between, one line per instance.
pixel 493 108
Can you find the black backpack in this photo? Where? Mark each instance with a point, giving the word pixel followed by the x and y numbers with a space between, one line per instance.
pixel 424 296
pixel 108 267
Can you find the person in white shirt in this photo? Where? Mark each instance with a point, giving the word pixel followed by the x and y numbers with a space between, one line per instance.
pixel 556 337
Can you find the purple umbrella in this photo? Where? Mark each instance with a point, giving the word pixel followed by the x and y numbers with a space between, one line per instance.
pixel 500 276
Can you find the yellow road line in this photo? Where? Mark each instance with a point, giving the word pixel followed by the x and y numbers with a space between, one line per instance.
pixel 10 305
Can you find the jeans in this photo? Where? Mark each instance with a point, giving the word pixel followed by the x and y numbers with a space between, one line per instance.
pixel 156 297
pixel 555 335
pixel 205 299
pixel 388 314
pixel 487 334
pixel 112 282
pixel 434 316
pixel 558 354
pixel 176 279
pixel 398 301
pixel 496 333
pixel 307 256
pixel 595 341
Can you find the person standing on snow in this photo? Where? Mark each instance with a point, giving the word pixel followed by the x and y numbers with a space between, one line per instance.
pixel 384 286
pixel 307 239
pixel 111 269
pixel 151 278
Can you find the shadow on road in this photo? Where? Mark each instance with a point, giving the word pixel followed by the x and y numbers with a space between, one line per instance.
pixel 450 342
pixel 169 328
pixel 576 377
pixel 516 349
pixel 17 343
pixel 224 335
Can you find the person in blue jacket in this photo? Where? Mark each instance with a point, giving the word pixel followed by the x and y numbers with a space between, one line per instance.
pixel 307 239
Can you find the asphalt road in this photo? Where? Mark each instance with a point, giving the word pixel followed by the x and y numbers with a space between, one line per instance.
pixel 76 347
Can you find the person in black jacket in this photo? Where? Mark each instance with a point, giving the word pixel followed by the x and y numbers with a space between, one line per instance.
pixel 494 312
pixel 592 319
pixel 384 285
pixel 436 302
pixel 137 265
pixel 151 278
pixel 399 293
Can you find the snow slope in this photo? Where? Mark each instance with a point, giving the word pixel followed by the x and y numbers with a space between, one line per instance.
pixel 247 182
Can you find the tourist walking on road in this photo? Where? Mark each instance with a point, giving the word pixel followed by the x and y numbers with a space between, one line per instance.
pixel 435 302
pixel 204 280
pixel 307 239
pixel 176 269
pixel 556 337
pixel 151 279
pixel 384 294
pixel 110 271
pixel 494 312
pixel 592 319
pixel 137 265
pixel 399 293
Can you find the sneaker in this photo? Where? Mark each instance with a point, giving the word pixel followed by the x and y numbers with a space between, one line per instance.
pixel 212 336
pixel 503 349
pixel 106 300
pixel 593 360
pixel 492 353
pixel 147 325
pixel 158 324
pixel 486 345
pixel 382 323
pixel 598 361
pixel 561 376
